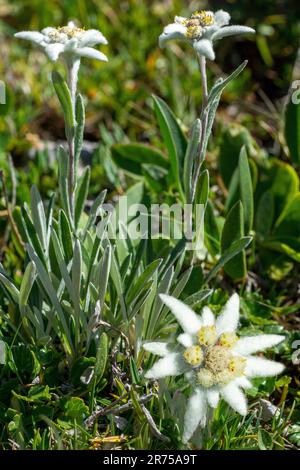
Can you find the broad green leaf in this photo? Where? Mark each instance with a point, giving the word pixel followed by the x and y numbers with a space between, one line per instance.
pixel 174 139
pixel 292 130
pixel 232 139
pixel 284 184
pixel 288 223
pixel 246 190
pixel 131 157
pixel 234 230
pixel 265 213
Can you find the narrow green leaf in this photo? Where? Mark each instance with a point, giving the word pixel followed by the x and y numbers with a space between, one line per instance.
pixel 64 97
pixel 246 190
pixel 38 216
pixel 190 158
pixel 232 251
pixel 101 357
pixel 27 283
pixel 174 139
pixel 65 235
pixel 221 85
pixel 81 194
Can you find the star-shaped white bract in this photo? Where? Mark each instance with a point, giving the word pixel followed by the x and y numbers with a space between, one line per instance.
pixel 201 30
pixel 216 362
pixel 68 41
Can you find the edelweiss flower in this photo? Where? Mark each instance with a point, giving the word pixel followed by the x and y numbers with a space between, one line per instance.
pixel 201 30
pixel 213 358
pixel 69 41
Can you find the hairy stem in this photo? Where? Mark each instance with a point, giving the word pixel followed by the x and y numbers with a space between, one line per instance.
pixel 204 122
pixel 73 69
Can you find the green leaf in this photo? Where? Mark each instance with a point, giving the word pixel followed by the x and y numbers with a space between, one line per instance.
pixel 75 409
pixel 246 190
pixel 101 357
pixel 212 232
pixel 221 85
pixel 190 157
pixel 202 192
pixel 65 235
pixel 233 138
pixel 104 274
pixel 31 234
pixel 232 251
pixel 64 97
pixel 265 213
pixel 94 211
pixel 131 157
pixel 292 130
pixel 27 283
pixel 38 216
pixel 147 274
pixel 174 139
pixel 81 194
pixel 50 291
pixel 288 223
pixel 284 184
pixel 234 230
pixel 12 290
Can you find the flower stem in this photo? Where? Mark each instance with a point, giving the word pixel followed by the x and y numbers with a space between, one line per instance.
pixel 204 122
pixel 73 69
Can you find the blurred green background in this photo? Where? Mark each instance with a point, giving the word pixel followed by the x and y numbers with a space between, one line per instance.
pixel 120 91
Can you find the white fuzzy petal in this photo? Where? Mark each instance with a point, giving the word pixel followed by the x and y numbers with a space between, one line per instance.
pixel 204 48
pixel 235 398
pixel 172 31
pixel 54 50
pixel 71 24
pixel 33 36
pixel 48 30
pixel 159 348
pixel 179 19
pixel 189 321
pixel 171 365
pixel 207 317
pixel 195 413
pixel 252 344
pixel 91 53
pixel 92 37
pixel 222 18
pixel 259 367
pixel 231 31
pixel 213 397
pixel 185 340
pixel 243 382
pixel 229 318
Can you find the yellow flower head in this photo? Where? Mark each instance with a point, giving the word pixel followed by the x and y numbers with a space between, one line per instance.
pixel 228 340
pixel 193 355
pixel 207 335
